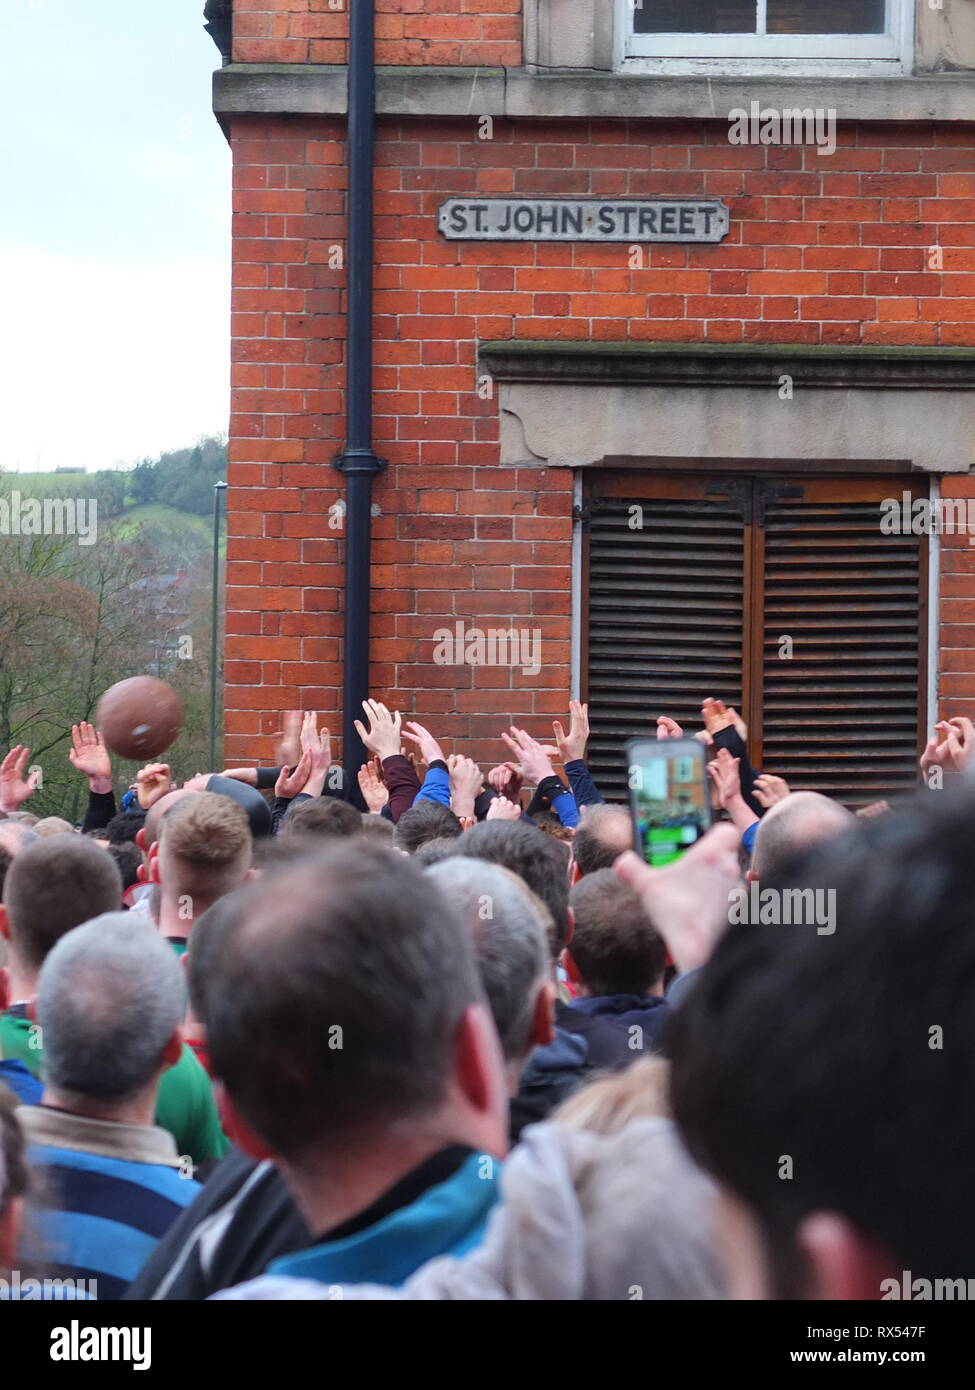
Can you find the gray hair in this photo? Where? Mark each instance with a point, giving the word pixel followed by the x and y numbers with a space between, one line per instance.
pixel 110 996
pixel 507 924
pixel 800 820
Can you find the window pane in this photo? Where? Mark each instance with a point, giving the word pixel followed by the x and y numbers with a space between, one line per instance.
pixel 695 17
pixel 827 16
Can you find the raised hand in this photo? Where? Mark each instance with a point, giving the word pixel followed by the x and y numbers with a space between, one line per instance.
pixel 533 758
pixel 465 784
pixel 668 728
pixel 241 774
pixel 309 736
pixel 289 784
pixel 940 749
pixel 716 716
pixel 961 743
pixel 724 774
pixel 430 750
pixel 89 756
pixel 287 746
pixel 723 770
pixel 503 809
pixel 373 790
pixel 320 754
pixel 768 789
pixel 153 782
pixel 572 745
pixel 506 779
pixel 15 788
pixel 383 734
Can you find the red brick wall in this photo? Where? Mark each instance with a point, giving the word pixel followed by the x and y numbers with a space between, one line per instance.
pixel 821 250
pixel 411 33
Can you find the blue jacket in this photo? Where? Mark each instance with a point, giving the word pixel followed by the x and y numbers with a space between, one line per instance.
pixel 626 1012
pixel 584 789
pixel 23 1083
pixel 436 785
pixel 448 1219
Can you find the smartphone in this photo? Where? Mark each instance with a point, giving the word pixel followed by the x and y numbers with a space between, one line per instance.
pixel 670 806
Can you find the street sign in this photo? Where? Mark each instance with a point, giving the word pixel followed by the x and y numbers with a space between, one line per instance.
pixel 584 219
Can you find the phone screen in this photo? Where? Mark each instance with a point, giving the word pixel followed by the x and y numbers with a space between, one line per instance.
pixel 669 802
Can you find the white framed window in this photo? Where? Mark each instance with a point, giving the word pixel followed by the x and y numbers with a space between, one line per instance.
pixel 757 35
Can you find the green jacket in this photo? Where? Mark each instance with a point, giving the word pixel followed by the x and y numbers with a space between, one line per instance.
pixel 185 1106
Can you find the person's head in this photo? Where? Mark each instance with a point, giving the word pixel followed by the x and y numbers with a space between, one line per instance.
pixel 14 1179
pixel 791 826
pixel 322 818
pixel 534 857
pixel 508 926
pixel 147 835
pixel 204 851
pixel 378 829
pixel 110 1000
pixel 614 949
pixel 602 835
pixel 15 836
pixel 53 825
pixel 436 851
pixel 608 1104
pixel 123 828
pixel 422 822
pixel 128 857
pixel 251 801
pixel 51 887
pixel 827 1080
pixel 549 824
pixel 346 1019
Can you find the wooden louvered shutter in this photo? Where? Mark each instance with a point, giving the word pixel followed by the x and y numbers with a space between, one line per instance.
pixel 666 609
pixel 842 715
pixel 697 601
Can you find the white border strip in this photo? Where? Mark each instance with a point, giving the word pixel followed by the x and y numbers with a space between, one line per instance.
pixel 934 575
pixel 578 496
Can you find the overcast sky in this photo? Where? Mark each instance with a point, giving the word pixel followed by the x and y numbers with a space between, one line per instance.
pixel 114 233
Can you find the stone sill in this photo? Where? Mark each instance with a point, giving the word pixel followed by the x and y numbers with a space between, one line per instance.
pixel 747 365
pixel 301 90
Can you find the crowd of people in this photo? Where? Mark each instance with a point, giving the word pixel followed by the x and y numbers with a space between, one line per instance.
pixel 258 1043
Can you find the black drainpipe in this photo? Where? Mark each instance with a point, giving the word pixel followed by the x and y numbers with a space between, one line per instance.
pixel 358 461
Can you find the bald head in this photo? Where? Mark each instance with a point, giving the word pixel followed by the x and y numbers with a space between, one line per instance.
pixel 155 813
pixel 793 825
pixel 603 834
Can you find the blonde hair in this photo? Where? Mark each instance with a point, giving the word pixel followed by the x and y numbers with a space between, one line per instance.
pixel 205 844
pixel 54 825
pixel 606 1106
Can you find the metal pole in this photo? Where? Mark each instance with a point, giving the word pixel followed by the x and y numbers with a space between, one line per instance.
pixel 218 488
pixel 358 461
